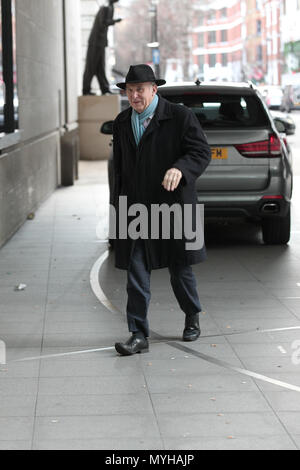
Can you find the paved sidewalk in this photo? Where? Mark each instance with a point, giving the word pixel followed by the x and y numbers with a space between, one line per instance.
pixel 204 395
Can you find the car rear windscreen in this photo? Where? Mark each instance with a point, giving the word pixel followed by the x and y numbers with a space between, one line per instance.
pixel 224 111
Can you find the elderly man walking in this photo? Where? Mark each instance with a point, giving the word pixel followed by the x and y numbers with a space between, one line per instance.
pixel 159 152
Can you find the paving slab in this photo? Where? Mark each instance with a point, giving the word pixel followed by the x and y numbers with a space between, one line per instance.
pixel 211 425
pixel 232 443
pixel 16 428
pixel 94 405
pixel 15 445
pixel 93 427
pixel 116 444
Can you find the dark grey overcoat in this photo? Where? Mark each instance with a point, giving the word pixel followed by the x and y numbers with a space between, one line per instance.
pixel 173 139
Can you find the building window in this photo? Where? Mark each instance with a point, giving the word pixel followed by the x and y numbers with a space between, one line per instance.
pixel 258 27
pixel 224 35
pixel 259 53
pixel 211 16
pixel 224 12
pixel 258 5
pixel 224 60
pixel 8 69
pixel 200 40
pixel 212 37
pixel 201 64
pixel 200 18
pixel 212 60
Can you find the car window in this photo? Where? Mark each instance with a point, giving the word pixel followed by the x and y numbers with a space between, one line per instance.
pixel 224 111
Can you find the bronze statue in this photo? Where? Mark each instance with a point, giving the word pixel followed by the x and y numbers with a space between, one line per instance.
pixel 95 59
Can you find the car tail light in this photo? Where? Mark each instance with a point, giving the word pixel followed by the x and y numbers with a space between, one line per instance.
pixel 262 149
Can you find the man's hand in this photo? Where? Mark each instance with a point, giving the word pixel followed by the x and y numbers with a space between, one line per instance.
pixel 172 179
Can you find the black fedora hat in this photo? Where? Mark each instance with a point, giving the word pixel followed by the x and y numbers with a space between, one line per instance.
pixel 140 74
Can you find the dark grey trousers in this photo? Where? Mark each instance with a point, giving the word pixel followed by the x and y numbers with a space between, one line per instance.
pixel 183 283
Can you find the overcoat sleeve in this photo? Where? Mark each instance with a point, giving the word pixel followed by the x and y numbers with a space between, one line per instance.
pixel 196 153
pixel 117 164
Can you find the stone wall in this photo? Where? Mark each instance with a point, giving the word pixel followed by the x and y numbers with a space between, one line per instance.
pixel 30 169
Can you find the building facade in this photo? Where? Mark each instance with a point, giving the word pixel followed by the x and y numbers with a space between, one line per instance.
pixel 254 64
pixel 218 40
pixel 44 92
pixel 239 41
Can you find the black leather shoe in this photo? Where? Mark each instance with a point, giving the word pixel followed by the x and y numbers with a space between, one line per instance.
pixel 136 344
pixel 192 328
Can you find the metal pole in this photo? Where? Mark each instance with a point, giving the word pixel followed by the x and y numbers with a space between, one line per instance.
pixel 8 67
pixel 155 28
pixel 64 7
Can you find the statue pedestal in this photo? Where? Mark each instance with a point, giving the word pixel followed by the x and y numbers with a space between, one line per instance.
pixel 93 111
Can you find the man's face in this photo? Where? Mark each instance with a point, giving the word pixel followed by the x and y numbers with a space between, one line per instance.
pixel 140 95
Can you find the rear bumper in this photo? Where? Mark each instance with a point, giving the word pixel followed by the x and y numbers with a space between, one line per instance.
pixel 243 206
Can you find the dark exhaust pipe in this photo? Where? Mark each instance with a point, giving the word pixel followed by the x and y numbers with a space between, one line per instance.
pixel 270 208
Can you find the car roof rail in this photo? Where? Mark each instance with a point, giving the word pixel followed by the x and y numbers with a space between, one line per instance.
pixel 251 84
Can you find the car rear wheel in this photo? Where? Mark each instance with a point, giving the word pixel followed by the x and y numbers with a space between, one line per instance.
pixel 277 230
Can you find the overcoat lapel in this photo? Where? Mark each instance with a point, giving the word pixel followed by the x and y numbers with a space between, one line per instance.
pixel 128 128
pixel 162 113
pixel 130 132
pixel 154 124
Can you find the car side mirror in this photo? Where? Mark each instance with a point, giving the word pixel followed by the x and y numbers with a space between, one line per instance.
pixel 107 128
pixel 280 126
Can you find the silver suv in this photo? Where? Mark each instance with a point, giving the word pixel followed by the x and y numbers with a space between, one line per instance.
pixel 250 174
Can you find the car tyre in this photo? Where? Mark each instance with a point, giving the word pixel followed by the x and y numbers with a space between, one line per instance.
pixel 277 230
